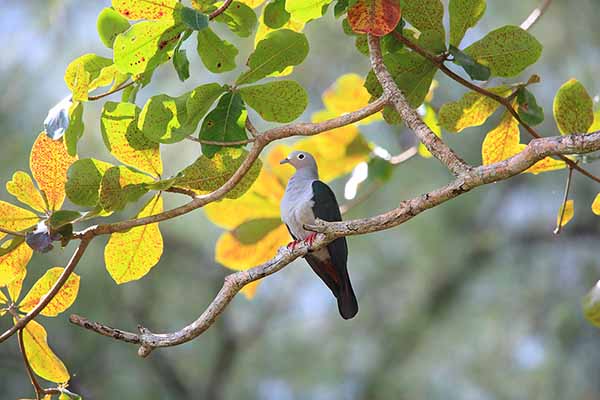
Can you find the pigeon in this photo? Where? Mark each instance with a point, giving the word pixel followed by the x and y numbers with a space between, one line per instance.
pixel 306 198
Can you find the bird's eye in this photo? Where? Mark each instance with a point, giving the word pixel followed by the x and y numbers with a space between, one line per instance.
pixel 300 156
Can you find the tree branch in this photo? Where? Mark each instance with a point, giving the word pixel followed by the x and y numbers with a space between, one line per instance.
pixel 536 15
pixel 535 151
pixel 410 116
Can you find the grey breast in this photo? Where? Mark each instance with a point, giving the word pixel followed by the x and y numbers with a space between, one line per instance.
pixel 296 205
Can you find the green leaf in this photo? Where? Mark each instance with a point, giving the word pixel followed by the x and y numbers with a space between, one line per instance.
pixel 193 19
pixel 464 14
pixel 110 24
pixel 180 60
pixel 60 218
pixel 145 45
pixel 425 15
pixel 218 55
pixel 121 185
pixel 82 71
pixel 75 130
pixel 529 110
pixel 573 108
pixel 275 14
pixel 225 123
pixel 412 73
pixel 475 70
pixel 209 174
pixel 10 245
pixel 279 101
pixel 591 305
pixel 147 9
pixel 125 141
pixel 507 51
pixel 166 119
pixel 253 231
pixel 473 109
pixel 239 18
pixel 305 10
pixel 277 51
pixel 83 181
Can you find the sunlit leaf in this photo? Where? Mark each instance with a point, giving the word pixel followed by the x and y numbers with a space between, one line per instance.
pixel 13 264
pixel 110 23
pixel 546 165
pixel 473 109
pixel 15 218
pixel 75 129
pixel 239 18
pixel 63 299
pixel 49 162
pixel 569 212
pixel 305 10
pixel 252 3
pixel 145 45
pixel 502 142
pixel 431 120
pixel 121 185
pixel 146 9
pixel 573 108
pixel 42 359
pixel 464 14
pixel 278 50
pixel 131 255
pixel 21 186
pixel 82 71
pixel 348 94
pixel 125 141
pixel 209 174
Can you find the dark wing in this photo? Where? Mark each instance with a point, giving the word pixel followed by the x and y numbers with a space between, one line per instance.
pixel 333 270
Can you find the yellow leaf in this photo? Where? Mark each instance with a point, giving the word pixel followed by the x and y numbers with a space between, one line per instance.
pixel 596 125
pixel 16 218
pixel 255 204
pixel 431 120
pixel 238 256
pixel 42 359
pixel 252 3
pixel 502 142
pixel 596 205
pixel 14 288
pixel 545 165
pixel 250 289
pixel 21 186
pixel 49 162
pixel 348 94
pixel 63 300
pixel 13 264
pixel 130 255
pixel 569 213
pixel 263 30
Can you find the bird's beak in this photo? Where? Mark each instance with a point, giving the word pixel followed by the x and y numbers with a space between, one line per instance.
pixel 284 161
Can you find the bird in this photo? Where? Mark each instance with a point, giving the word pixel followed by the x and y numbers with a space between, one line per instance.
pixel 306 198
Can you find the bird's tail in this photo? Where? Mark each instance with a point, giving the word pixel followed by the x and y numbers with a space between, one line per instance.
pixel 347 303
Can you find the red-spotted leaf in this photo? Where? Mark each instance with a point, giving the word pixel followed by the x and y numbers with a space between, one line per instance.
pixel 377 17
pixel 63 299
pixel 42 359
pixel 146 9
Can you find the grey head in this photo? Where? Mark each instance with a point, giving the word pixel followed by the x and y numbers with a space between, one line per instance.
pixel 303 162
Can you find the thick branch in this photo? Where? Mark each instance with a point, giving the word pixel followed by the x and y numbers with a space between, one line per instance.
pixel 410 116
pixel 535 151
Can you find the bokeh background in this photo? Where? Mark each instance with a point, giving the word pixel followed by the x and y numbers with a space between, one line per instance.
pixel 476 299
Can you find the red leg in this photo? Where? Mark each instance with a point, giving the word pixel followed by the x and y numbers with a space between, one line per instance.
pixel 310 239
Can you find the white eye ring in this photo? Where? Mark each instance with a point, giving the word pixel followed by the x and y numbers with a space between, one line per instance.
pixel 300 156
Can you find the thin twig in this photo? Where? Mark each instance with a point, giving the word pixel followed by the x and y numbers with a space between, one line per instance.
pixel 39 391
pixel 251 128
pixel 220 10
pixel 115 90
pixel 220 143
pixel 536 15
pixel 559 224
pixel 13 233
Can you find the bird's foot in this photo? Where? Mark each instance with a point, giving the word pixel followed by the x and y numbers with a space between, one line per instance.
pixel 292 245
pixel 310 239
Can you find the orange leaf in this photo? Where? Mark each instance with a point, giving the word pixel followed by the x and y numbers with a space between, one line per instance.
pixel 502 142
pixel 545 165
pixel 16 218
pixel 21 186
pixel 377 17
pixel 13 264
pixel 14 288
pixel 63 300
pixel 49 162
pixel 130 255
pixel 348 94
pixel 42 359
pixel 250 289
